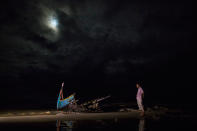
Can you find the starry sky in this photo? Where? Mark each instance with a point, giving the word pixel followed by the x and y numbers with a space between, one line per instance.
pixel 96 47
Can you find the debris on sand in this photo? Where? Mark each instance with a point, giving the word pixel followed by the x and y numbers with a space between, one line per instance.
pixel 127 110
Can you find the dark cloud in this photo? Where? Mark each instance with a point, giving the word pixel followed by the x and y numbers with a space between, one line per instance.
pixel 112 36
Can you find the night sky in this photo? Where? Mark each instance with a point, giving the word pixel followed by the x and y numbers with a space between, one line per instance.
pixel 97 47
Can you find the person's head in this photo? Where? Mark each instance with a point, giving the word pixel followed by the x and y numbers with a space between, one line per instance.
pixel 137 85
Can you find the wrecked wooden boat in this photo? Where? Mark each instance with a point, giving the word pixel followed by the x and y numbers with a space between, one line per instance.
pixel 70 104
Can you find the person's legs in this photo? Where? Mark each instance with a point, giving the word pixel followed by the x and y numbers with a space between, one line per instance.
pixel 139 102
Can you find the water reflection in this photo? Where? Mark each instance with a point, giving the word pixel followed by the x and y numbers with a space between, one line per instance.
pixel 69 125
pixel 64 125
pixel 141 124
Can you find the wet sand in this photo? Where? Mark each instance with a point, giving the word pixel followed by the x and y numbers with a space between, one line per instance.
pixel 53 116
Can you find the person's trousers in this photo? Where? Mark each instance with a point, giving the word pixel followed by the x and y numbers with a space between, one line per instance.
pixel 139 103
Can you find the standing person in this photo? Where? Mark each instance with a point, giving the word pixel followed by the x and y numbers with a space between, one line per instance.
pixel 139 96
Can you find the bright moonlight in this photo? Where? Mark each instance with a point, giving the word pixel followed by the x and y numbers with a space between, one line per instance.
pixel 53 23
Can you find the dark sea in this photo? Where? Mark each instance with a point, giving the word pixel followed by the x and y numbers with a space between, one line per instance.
pixel 144 124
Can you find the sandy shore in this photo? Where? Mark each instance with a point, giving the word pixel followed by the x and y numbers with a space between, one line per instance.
pixel 69 116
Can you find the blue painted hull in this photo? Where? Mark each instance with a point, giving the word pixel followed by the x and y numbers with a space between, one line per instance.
pixel 65 102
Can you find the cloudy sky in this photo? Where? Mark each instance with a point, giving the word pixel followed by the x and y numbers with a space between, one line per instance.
pixel 102 39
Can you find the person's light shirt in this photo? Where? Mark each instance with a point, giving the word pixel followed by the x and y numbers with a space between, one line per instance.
pixel 139 93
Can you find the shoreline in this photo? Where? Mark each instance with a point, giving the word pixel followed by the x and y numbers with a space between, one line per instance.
pixel 70 116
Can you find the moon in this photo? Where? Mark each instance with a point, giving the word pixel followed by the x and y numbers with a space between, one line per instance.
pixel 53 23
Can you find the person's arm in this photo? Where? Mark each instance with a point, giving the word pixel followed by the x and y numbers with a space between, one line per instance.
pixel 142 93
